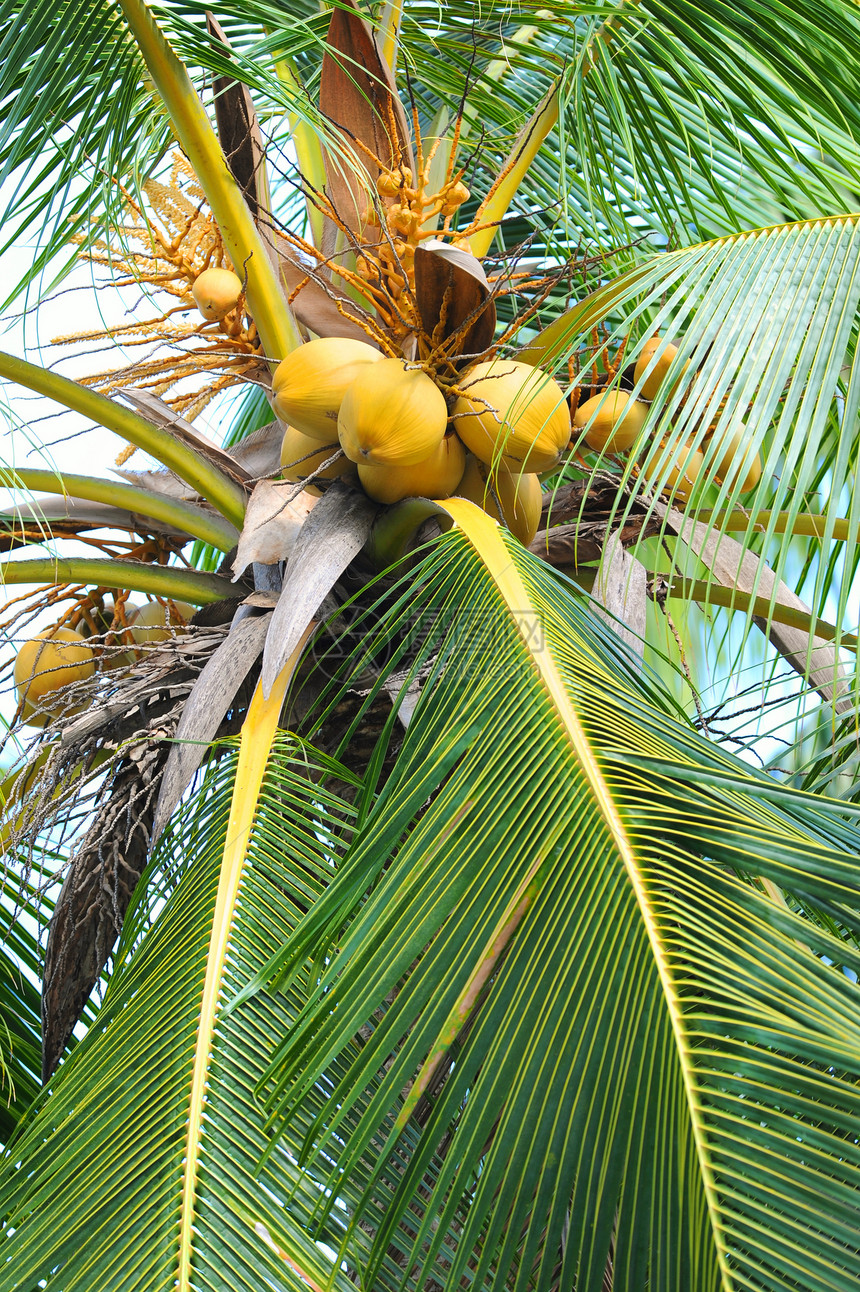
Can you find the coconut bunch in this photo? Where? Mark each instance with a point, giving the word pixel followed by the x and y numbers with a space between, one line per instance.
pixel 613 419
pixel 400 431
pixel 50 669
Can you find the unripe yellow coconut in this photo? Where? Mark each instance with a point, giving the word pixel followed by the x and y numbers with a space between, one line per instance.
pixel 521 498
pixel 302 454
pixel 734 461
pixel 681 480
pixel 652 382
pixel 435 477
pixel 392 415
pixel 619 419
pixel 309 385
pixel 513 411
pixel 155 622
pixel 111 654
pixel 514 499
pixel 52 660
pixel 217 292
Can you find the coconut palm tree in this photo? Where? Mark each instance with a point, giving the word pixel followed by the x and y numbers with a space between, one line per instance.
pixel 427 913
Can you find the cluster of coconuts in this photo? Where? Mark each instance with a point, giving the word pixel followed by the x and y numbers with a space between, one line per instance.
pixel 498 427
pixel 618 418
pixel 60 657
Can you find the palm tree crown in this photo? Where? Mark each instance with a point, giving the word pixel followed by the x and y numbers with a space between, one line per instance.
pixel 396 897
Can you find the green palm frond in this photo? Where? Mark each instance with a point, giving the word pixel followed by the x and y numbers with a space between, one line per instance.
pixel 675 119
pixel 547 930
pixel 768 322
pixel 23 914
pixel 106 1144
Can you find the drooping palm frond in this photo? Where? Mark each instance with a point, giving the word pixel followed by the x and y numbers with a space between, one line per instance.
pixel 588 1027
pixel 110 1142
pixel 767 322
pixel 23 913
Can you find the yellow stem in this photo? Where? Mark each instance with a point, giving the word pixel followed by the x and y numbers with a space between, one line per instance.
pixel 309 152
pixel 208 480
pixel 161 580
pixel 257 736
pixel 194 131
pixel 501 194
pixel 389 32
pixel 172 511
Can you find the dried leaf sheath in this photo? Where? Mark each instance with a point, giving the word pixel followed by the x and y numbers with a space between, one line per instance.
pixel 357 97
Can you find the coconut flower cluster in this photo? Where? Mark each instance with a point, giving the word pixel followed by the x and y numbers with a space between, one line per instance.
pixel 351 411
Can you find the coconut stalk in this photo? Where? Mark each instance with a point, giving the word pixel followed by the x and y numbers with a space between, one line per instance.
pixel 135 576
pixel 781 522
pixel 389 32
pixel 195 522
pixel 526 147
pixel 224 494
pixel 309 151
pixel 191 125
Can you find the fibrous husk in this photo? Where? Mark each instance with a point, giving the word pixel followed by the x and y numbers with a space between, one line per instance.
pixel 239 131
pixel 105 766
pixel 392 415
pixel 310 384
pixel 513 411
pixel 272 522
pixel 205 709
pixel 359 99
pixel 333 535
pixel 453 298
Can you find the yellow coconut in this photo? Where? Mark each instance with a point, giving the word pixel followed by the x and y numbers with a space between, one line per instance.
pixel 667 352
pixel 435 477
pixel 682 478
pixel 618 419
pixel 735 460
pixel 521 498
pixel 111 654
pixel 309 385
pixel 514 499
pixel 392 415
pixel 156 622
pixel 53 659
pixel 302 454
pixel 515 412
pixel 217 292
